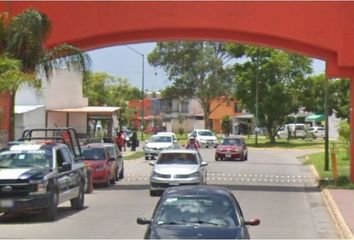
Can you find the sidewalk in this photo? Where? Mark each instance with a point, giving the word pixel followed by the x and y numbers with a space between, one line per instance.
pixel 341 206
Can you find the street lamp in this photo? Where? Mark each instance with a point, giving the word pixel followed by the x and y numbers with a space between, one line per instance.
pixel 142 90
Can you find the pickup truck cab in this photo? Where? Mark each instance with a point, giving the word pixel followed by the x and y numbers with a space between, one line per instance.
pixel 39 175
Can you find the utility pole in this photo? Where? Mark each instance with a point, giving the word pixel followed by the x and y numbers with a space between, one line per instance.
pixel 326 166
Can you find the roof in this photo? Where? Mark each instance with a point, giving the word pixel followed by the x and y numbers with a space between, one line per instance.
pixel 26 108
pixel 197 190
pixel 315 117
pixel 88 109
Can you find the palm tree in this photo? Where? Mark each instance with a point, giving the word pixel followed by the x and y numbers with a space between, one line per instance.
pixel 23 37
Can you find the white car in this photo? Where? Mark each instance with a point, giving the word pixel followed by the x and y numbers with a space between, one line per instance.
pixel 157 143
pixel 317 132
pixel 289 129
pixel 177 167
pixel 205 138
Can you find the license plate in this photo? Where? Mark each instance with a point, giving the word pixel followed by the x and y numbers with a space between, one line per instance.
pixel 228 155
pixel 6 203
pixel 174 183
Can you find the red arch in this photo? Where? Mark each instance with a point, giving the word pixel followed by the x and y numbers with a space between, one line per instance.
pixel 317 29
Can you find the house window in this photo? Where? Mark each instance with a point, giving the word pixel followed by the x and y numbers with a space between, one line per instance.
pixel 184 106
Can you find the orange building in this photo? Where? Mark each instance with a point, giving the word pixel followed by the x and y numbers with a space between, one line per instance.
pixel 222 108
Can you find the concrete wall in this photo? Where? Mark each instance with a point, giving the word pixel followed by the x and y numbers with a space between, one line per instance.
pixel 31 119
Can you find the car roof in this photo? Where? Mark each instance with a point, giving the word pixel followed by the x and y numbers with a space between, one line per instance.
pixel 101 144
pixel 94 145
pixel 167 133
pixel 180 150
pixel 197 190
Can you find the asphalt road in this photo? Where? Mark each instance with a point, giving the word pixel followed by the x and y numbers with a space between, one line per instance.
pixel 272 185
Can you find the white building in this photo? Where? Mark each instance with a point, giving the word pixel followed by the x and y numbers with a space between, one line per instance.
pixel 60 103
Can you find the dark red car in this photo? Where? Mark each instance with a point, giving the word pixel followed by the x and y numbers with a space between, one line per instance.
pixel 103 166
pixel 231 148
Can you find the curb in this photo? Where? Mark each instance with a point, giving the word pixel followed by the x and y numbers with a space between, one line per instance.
pixel 340 224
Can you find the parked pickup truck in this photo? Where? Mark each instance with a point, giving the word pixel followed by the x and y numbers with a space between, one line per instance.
pixel 41 172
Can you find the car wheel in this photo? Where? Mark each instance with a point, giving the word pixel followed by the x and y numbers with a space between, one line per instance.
pixel 246 157
pixel 51 212
pixel 78 202
pixel 216 159
pixel 107 183
pixel 121 174
pixel 153 193
pixel 116 175
pixel 112 180
pixel 146 158
pixel 242 157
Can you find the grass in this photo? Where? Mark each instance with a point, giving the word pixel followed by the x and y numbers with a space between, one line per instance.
pixel 135 155
pixel 327 177
pixel 264 142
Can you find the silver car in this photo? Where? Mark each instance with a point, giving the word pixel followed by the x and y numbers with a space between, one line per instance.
pixel 158 143
pixel 177 167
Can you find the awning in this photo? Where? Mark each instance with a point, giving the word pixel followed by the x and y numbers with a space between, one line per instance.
pixel 315 117
pixel 88 109
pixel 26 108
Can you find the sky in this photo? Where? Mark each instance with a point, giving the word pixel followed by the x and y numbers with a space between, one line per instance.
pixel 122 61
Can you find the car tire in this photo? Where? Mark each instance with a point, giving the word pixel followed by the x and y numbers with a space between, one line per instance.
pixel 116 175
pixel 246 157
pixel 107 183
pixel 146 158
pixel 121 174
pixel 51 212
pixel 78 202
pixel 112 180
pixel 217 159
pixel 154 193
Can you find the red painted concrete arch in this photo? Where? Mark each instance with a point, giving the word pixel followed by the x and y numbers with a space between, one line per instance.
pixel 317 29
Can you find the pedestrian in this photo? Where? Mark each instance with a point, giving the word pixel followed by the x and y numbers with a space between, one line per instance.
pixel 120 140
pixel 134 139
pixel 192 143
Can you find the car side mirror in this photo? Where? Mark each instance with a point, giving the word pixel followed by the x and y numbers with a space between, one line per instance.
pixel 203 164
pixel 143 221
pixel 151 163
pixel 65 167
pixel 253 222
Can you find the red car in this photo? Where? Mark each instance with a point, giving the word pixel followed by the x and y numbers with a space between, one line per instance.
pixel 103 166
pixel 231 148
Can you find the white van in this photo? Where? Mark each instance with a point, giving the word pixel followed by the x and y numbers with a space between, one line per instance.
pixel 301 131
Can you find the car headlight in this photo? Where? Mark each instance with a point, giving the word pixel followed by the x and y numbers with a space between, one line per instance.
pixel 195 175
pixel 156 175
pixel 41 186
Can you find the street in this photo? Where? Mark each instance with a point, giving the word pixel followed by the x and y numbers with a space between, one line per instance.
pixel 272 185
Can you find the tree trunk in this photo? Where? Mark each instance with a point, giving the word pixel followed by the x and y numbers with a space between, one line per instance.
pixel 12 117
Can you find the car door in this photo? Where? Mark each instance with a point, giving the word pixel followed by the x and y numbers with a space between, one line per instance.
pixel 65 176
pixel 202 168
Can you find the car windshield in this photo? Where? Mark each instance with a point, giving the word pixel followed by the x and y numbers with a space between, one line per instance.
pixel 94 154
pixel 111 152
pixel 205 133
pixel 177 158
pixel 163 139
pixel 30 158
pixel 191 210
pixel 231 141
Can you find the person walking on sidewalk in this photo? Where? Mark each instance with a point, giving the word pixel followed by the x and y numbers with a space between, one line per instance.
pixel 134 139
pixel 120 141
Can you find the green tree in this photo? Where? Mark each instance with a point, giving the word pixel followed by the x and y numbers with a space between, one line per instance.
pixel 23 37
pixel 103 89
pixel 277 75
pixel 197 70
pixel 312 95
